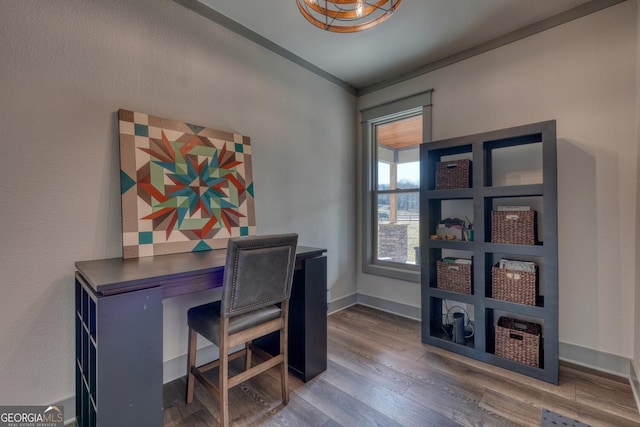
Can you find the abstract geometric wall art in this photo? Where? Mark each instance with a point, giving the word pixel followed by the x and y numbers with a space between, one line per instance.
pixel 185 188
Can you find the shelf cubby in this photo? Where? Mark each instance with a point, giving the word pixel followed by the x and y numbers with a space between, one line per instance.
pixel 491 318
pixel 492 259
pixel 441 321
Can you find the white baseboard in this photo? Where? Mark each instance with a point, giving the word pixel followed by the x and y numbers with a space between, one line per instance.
pixel 342 303
pixel 595 359
pixel 401 309
pixel 635 383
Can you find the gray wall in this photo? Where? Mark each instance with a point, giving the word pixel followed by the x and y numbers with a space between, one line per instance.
pixel 65 69
pixel 636 354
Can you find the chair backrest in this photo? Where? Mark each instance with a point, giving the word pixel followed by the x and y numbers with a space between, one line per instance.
pixel 258 272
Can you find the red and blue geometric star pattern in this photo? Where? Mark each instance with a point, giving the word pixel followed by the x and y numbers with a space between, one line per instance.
pixel 184 187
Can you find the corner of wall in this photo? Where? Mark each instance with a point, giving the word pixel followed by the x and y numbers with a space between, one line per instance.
pixel 342 303
pixel 636 333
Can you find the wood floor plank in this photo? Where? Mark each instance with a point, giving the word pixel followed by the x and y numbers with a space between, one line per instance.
pixel 442 359
pixel 578 393
pixel 457 402
pixel 388 339
pixel 373 346
pixel 613 401
pixel 407 330
pixel 175 407
pixel 374 378
pixel 517 412
pixel 200 418
pixel 460 372
pixel 607 393
pixel 521 413
pixel 265 390
pixel 423 369
pixel 342 319
pixel 389 318
pixel 381 374
pixel 394 405
pixel 258 402
pixel 295 381
pixel 343 407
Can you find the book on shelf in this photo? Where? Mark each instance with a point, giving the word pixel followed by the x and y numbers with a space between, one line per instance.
pixel 452 260
pixel 513 208
pixel 509 264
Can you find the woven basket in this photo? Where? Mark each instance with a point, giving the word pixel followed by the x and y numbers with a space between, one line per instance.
pixel 514 227
pixel 518 340
pixel 453 175
pixel 514 286
pixel 453 277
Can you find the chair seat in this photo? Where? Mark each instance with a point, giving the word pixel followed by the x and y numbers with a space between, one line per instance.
pixel 205 319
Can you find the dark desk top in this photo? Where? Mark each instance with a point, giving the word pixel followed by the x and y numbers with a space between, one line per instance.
pixel 114 275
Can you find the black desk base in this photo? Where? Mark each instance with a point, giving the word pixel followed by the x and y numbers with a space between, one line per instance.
pixel 307 322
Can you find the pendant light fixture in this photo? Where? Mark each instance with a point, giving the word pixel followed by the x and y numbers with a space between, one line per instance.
pixel 347 16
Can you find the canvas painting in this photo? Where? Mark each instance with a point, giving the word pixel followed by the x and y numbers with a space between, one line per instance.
pixel 184 188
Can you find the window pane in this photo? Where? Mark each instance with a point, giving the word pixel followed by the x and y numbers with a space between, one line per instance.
pixel 409 175
pixel 398 153
pixel 398 219
pixel 384 175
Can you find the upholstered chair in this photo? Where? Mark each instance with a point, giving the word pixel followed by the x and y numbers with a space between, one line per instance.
pixel 255 302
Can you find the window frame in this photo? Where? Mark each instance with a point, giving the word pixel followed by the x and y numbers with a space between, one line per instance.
pixel 370 118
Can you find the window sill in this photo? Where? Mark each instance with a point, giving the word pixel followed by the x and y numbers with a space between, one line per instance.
pixel 392 272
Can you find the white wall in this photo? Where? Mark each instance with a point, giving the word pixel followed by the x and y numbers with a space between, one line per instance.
pixel 636 353
pixel 582 74
pixel 65 69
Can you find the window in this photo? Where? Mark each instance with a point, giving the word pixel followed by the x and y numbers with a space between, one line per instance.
pixel 391 136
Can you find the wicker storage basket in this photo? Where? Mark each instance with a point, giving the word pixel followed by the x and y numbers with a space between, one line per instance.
pixel 514 286
pixel 452 175
pixel 518 340
pixel 514 227
pixel 454 277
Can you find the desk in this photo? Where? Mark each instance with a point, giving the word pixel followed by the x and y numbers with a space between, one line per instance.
pixel 118 319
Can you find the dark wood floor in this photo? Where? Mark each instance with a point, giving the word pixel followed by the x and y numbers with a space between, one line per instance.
pixel 380 374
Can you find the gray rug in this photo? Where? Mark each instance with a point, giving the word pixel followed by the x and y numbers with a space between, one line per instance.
pixel 552 419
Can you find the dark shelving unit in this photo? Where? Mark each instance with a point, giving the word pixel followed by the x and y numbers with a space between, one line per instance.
pixel 493 153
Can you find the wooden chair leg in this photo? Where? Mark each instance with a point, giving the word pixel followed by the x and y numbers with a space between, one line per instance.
pixel 247 364
pixel 284 350
pixel 191 362
pixel 224 373
pixel 284 375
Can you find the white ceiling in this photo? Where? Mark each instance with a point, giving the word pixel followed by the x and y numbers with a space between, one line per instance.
pixel 421 32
